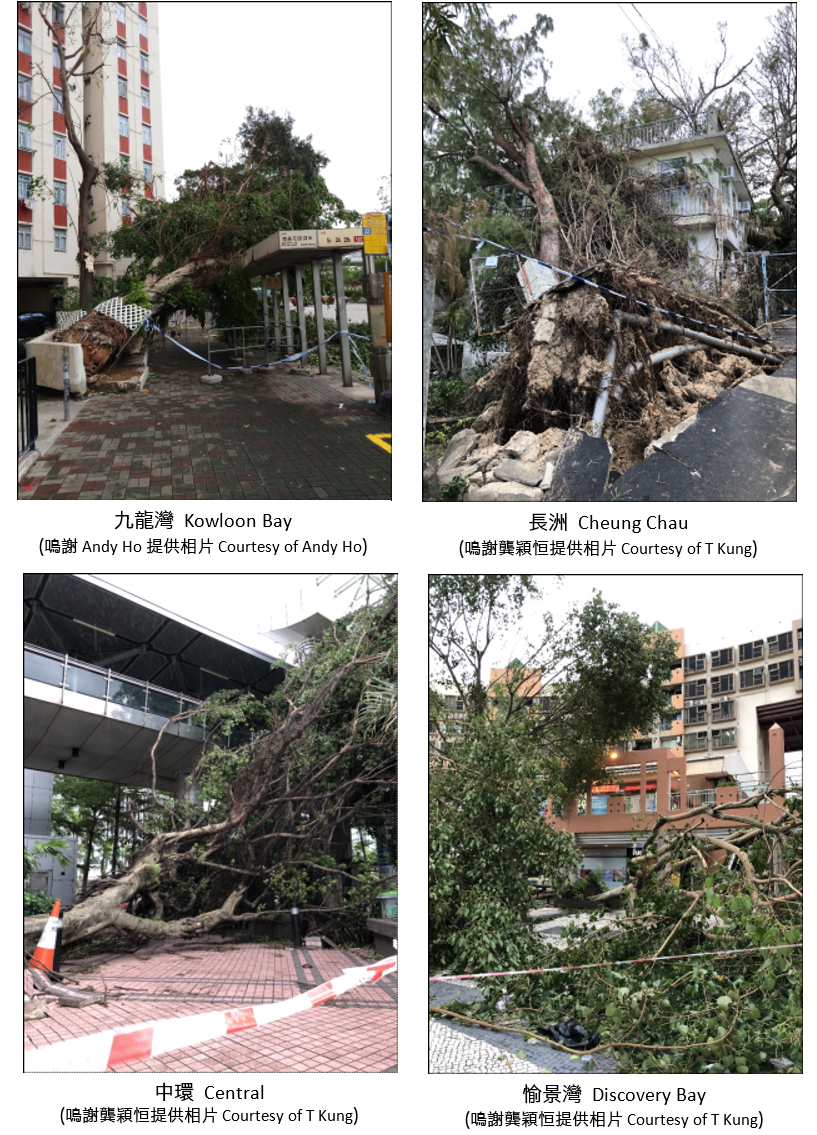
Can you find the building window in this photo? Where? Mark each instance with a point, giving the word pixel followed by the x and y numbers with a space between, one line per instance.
pixel 125 207
pixel 146 134
pixel 781 671
pixel 60 190
pixel 24 135
pixel 123 88
pixel 124 162
pixel 694 741
pixel 695 689
pixel 723 738
pixel 24 236
pixel 145 97
pixel 143 61
pixel 749 651
pixel 723 684
pixel 695 715
pixel 452 702
pixel 723 711
pixel 123 126
pixel 799 638
pixel 24 88
pixel 58 107
pixel 778 643
pixel 23 185
pixel 143 27
pixel 59 146
pixel 121 50
pixel 694 662
pixel 58 15
pixel 120 13
pixel 598 805
pixel 722 658
pixel 60 240
pixel 148 172
pixel 750 678
pixel 24 41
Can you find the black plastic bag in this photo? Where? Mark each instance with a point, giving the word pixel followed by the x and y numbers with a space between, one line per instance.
pixel 571 1034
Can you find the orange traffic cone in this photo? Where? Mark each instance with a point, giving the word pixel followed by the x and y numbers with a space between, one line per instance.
pixel 43 957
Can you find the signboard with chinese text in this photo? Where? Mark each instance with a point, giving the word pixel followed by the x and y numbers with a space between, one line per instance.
pixel 351 239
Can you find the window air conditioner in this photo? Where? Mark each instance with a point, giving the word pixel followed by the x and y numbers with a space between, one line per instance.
pixel 744 206
pixel 728 173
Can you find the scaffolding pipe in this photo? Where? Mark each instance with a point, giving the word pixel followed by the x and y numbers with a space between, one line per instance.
pixel 700 337
pixel 600 409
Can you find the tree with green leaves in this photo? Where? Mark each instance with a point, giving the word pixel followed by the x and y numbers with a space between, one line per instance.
pixel 488 110
pixel 271 816
pixel 599 674
pixel 184 251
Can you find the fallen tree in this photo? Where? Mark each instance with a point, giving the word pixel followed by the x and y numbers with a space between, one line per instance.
pixel 611 330
pixel 275 814
pixel 715 925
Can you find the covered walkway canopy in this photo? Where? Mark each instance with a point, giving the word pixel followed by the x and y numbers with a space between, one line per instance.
pixel 105 670
pixel 286 250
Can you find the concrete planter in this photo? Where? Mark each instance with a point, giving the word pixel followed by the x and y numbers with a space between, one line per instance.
pixel 49 363
pixel 385 935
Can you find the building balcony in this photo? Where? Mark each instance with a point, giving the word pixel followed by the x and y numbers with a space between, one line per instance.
pixel 666 130
pixel 680 201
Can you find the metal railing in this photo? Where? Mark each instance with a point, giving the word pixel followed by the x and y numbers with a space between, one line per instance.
pixel 697 799
pixel 27 427
pixel 257 335
pixel 653 133
pixel 113 689
pixel 687 200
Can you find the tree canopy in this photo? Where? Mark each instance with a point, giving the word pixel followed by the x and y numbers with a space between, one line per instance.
pixel 599 675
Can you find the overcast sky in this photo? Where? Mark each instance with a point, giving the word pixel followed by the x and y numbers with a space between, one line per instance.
pixel 587 53
pixel 327 64
pixel 714 610
pixel 239 606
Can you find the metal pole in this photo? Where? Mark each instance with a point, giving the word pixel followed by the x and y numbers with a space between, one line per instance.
pixel 343 325
pixel 265 316
pixel 276 322
pixel 66 385
pixel 600 408
pixel 299 294
pixel 287 319
pixel 295 926
pixel 316 288
pixel 765 289
pixel 723 344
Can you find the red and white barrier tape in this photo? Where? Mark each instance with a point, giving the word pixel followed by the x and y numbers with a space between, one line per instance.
pixel 141 1042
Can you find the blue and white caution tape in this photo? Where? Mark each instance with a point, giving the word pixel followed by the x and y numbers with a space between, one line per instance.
pixel 591 283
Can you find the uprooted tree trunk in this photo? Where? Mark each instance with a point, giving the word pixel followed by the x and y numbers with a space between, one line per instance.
pixel 282 802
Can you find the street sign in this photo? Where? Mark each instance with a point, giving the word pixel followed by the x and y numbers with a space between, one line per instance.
pixel 375 234
pixel 350 239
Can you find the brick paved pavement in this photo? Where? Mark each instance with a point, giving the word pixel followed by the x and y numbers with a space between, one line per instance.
pixel 355 1033
pixel 263 435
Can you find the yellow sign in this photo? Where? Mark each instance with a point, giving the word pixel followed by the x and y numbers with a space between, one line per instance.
pixel 380 439
pixel 375 234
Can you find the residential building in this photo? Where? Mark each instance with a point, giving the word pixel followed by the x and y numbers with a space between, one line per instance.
pixel 706 192
pixel 119 112
pixel 733 724
pixel 733 714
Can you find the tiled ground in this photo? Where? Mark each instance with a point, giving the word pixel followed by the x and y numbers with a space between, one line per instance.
pixel 263 435
pixel 355 1033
